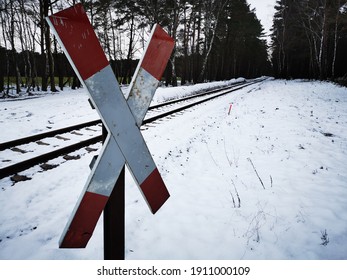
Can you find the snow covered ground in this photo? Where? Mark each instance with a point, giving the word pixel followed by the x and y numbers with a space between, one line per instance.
pixel 268 181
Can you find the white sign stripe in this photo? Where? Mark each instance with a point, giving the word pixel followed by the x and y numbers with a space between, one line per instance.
pixel 142 91
pixel 118 119
pixel 104 175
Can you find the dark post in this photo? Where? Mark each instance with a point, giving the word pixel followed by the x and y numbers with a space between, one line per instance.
pixel 114 219
pixel 114 222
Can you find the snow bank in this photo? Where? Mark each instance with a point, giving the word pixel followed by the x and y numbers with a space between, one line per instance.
pixel 267 181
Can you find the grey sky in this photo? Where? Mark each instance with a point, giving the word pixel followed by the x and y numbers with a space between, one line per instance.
pixel 265 11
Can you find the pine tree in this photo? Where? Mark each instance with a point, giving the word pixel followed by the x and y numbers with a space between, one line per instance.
pixel 307 38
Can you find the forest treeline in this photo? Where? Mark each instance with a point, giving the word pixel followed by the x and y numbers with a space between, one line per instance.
pixel 310 39
pixel 215 40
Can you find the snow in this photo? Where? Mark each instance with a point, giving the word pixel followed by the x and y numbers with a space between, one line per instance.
pixel 292 134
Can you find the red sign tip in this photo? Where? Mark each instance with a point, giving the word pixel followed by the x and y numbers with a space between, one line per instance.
pixel 155 191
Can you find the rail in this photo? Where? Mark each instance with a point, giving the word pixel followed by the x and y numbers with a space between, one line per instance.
pixel 28 163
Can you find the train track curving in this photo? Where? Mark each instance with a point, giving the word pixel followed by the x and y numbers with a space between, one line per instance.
pixel 40 148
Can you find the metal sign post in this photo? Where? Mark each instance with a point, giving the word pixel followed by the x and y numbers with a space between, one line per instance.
pixel 114 222
pixel 124 142
pixel 114 218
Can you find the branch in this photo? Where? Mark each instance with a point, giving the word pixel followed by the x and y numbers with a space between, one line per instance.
pixel 256 173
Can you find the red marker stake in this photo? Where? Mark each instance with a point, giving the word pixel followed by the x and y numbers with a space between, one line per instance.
pixel 231 105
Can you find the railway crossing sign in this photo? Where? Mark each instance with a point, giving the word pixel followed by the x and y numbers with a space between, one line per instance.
pixel 122 118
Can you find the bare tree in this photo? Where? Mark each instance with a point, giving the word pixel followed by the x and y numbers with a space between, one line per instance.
pixel 340 11
pixel 46 50
pixel 177 10
pixel 213 9
pixel 4 68
pixel 9 30
pixel 26 34
pixel 315 19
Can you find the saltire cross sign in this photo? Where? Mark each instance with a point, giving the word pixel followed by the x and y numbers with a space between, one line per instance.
pixel 121 117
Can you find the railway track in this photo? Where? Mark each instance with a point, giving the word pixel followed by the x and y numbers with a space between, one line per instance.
pixel 40 148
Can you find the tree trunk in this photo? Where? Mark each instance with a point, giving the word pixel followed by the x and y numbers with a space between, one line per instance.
pixel 197 50
pixel 174 35
pixel 130 51
pixel 48 48
pixel 323 47
pixel 44 62
pixel 75 82
pixel 185 47
pixel 335 38
pixel 2 72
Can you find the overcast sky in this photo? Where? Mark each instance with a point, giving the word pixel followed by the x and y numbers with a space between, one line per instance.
pixel 265 11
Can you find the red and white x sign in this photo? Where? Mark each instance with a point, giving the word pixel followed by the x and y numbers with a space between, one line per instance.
pixel 121 117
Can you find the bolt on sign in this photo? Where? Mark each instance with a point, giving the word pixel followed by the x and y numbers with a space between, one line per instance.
pixel 122 118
